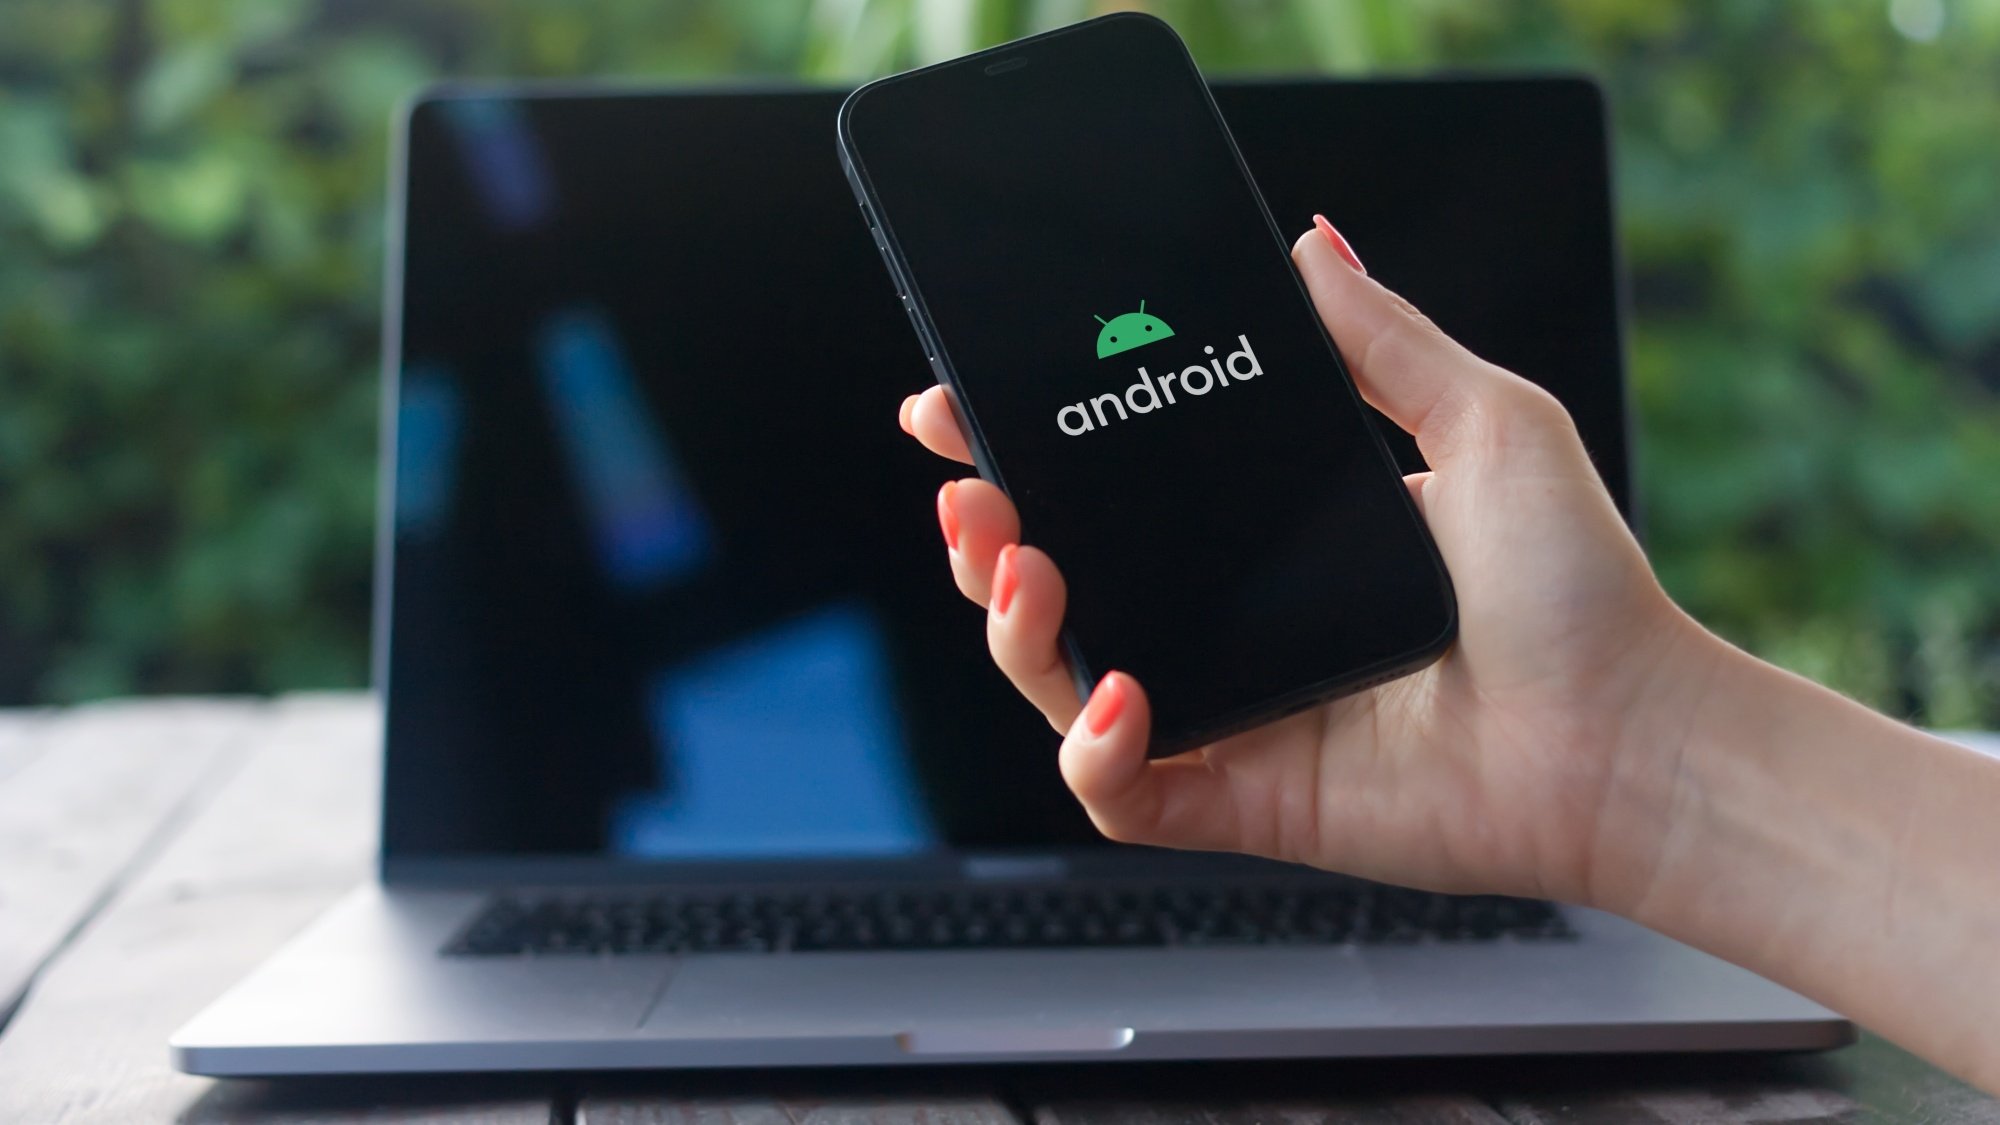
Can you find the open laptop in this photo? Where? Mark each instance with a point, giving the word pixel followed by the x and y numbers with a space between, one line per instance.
pixel 694 754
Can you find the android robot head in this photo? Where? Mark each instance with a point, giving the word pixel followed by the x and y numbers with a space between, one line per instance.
pixel 1129 330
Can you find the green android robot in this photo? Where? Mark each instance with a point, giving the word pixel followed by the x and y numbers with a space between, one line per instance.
pixel 1129 330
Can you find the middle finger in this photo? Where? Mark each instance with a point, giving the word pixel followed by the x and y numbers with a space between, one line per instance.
pixel 977 520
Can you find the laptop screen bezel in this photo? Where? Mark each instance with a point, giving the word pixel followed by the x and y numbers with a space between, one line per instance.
pixel 413 866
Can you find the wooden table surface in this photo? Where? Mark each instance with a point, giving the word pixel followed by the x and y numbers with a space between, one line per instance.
pixel 152 852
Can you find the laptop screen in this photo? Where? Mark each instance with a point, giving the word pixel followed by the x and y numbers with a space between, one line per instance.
pixel 665 581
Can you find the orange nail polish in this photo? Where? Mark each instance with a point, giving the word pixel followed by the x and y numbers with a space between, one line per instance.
pixel 1107 702
pixel 1339 244
pixel 948 519
pixel 1006 580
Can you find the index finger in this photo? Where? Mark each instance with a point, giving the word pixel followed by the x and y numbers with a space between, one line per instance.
pixel 930 419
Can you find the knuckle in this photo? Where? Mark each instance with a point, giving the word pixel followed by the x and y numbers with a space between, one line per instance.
pixel 999 646
pixel 1114 829
pixel 1521 411
pixel 1411 311
pixel 973 591
pixel 1419 330
pixel 1408 340
pixel 1501 412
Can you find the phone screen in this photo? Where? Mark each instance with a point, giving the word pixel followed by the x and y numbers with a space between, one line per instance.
pixel 1149 382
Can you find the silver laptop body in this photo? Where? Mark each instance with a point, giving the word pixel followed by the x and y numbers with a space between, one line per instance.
pixel 584 867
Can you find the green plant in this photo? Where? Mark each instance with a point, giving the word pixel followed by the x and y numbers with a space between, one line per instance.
pixel 190 236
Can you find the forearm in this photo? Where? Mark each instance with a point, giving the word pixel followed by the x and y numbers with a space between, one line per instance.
pixel 1843 854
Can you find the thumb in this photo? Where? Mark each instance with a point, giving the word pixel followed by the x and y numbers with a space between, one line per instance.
pixel 1404 365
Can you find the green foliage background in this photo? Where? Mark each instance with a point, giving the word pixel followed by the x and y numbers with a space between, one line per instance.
pixel 191 227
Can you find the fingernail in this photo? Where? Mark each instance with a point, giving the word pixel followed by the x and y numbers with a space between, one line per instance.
pixel 1107 701
pixel 948 519
pixel 903 415
pixel 1006 580
pixel 1340 245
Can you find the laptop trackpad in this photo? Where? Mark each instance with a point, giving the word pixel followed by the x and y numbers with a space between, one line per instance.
pixel 967 1003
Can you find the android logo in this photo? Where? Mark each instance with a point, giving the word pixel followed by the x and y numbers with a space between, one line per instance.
pixel 1129 330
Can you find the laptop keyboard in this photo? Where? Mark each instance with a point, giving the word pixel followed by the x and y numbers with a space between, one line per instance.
pixel 997 917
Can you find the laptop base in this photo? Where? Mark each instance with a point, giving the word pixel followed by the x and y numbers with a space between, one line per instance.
pixel 365 990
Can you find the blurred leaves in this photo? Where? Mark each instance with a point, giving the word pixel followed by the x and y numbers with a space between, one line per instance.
pixel 190 238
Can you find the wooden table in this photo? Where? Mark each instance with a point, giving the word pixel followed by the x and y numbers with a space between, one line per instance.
pixel 151 852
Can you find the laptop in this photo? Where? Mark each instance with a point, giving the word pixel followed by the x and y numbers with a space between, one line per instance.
pixel 694 755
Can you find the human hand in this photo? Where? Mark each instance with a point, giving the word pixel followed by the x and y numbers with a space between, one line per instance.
pixel 1500 767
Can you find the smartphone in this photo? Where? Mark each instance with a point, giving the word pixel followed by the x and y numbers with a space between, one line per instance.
pixel 1135 361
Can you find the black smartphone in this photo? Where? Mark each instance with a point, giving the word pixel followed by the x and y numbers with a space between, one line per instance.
pixel 1135 361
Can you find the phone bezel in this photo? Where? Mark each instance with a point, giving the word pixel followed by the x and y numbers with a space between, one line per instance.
pixel 1239 719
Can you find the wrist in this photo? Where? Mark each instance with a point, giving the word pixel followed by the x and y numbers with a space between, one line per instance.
pixel 1751 786
pixel 1660 724
pixel 1781 826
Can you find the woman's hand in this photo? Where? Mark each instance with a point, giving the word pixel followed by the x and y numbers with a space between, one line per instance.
pixel 1584 741
pixel 1501 766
